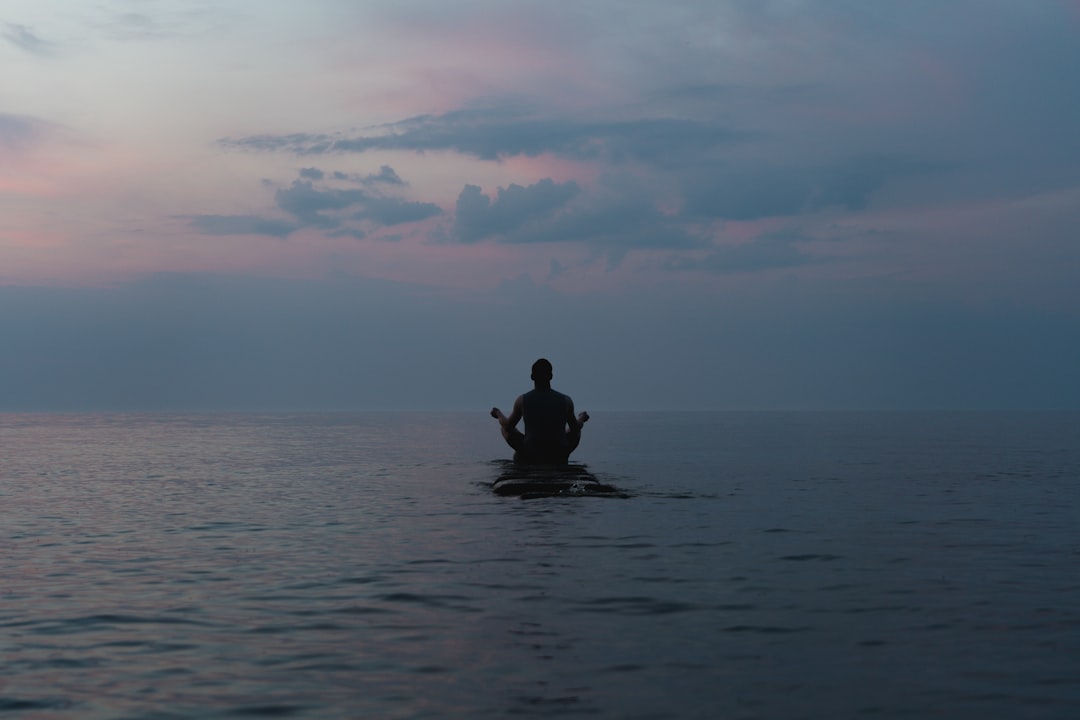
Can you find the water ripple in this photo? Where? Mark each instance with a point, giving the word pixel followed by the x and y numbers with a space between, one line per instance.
pixel 333 567
pixel 635 606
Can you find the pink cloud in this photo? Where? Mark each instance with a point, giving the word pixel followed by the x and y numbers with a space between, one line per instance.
pixel 545 166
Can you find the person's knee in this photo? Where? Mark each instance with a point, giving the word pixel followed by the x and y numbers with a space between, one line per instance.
pixel 514 438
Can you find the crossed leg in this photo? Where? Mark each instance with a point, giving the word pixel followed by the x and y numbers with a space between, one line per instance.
pixel 516 440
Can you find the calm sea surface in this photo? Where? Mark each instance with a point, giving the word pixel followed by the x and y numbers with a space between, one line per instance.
pixel 766 565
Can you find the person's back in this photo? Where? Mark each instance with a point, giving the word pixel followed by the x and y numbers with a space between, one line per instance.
pixel 548 414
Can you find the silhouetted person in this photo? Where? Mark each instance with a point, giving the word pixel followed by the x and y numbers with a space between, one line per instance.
pixel 552 431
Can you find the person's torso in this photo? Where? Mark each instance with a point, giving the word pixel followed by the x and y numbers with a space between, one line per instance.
pixel 545 412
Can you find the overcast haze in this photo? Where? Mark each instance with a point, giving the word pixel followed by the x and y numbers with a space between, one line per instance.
pixel 733 204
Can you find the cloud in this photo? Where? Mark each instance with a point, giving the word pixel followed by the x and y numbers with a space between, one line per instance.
pixel 317 207
pixel 514 208
pixel 851 183
pixel 386 175
pixel 767 252
pixel 311 201
pixel 242 225
pixel 493 133
pixel 26 39
pixel 615 216
pixel 394 211
pixel 718 170
pixel 755 110
pixel 616 223
pixel 771 189
pixel 308 203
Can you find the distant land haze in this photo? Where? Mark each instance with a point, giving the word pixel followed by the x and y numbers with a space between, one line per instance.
pixel 200 343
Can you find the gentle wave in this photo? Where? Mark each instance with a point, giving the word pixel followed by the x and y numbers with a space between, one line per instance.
pixel 328 567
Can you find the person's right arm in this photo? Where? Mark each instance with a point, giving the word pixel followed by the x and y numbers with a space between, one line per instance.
pixel 515 414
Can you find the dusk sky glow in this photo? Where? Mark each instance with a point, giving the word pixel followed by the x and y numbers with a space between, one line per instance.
pixel 734 204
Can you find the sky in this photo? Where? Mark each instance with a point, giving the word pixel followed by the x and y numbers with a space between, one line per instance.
pixel 246 205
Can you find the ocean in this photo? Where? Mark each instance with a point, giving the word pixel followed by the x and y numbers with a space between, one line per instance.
pixel 754 565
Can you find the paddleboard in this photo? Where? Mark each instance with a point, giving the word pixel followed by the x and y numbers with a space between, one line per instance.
pixel 530 481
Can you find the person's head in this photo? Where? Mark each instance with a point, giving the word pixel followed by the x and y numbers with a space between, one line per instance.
pixel 542 372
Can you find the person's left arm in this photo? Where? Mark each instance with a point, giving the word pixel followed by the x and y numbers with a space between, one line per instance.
pixel 571 418
pixel 515 414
